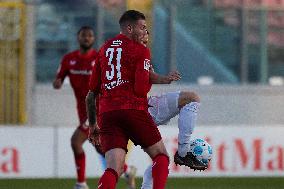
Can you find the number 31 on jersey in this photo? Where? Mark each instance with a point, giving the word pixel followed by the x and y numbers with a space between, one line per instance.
pixel 110 52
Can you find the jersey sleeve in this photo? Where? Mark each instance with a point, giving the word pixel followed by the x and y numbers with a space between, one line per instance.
pixel 62 70
pixel 142 79
pixel 95 79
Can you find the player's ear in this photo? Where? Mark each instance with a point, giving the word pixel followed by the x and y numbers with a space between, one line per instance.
pixel 129 28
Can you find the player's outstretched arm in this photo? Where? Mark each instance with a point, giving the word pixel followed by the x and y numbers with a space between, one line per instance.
pixel 164 79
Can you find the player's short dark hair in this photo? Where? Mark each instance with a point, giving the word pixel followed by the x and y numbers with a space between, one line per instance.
pixel 131 16
pixel 85 28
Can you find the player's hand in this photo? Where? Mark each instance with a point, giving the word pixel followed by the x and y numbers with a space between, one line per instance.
pixel 57 83
pixel 94 138
pixel 174 76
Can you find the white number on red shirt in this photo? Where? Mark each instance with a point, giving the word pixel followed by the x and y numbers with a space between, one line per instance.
pixel 110 55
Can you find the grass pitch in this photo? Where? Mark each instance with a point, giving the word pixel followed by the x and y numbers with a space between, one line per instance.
pixel 173 183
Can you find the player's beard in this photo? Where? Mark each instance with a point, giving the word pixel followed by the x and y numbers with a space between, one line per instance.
pixel 85 47
pixel 135 37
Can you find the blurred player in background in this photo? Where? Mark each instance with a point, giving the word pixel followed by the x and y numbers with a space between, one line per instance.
pixel 78 65
pixel 165 107
pixel 121 78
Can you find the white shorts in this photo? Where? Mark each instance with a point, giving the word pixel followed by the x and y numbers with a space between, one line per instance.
pixel 164 107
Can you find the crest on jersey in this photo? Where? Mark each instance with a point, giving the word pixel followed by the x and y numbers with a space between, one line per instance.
pixel 72 62
pixel 147 64
pixel 93 63
pixel 116 43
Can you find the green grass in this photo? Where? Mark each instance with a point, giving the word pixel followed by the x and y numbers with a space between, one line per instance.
pixel 173 183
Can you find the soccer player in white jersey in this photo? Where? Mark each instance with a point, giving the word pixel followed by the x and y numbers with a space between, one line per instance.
pixel 165 107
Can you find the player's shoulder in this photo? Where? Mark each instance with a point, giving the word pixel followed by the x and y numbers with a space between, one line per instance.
pixel 115 41
pixel 140 49
pixel 94 52
pixel 71 54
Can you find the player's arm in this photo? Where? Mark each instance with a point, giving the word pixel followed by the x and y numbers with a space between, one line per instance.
pixel 156 78
pixel 61 74
pixel 91 113
pixel 91 108
pixel 94 86
pixel 142 77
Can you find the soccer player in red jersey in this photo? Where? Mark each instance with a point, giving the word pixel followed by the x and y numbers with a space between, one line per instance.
pixel 78 65
pixel 121 79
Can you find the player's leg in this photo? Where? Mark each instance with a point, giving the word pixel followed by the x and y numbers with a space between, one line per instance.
pixel 160 165
pixel 130 176
pixel 147 182
pixel 114 145
pixel 188 103
pixel 77 140
pixel 129 172
pixel 115 159
pixel 143 131
pixel 164 107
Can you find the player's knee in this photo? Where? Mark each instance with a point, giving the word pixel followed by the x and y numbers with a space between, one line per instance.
pixel 161 151
pixel 186 97
pixel 75 144
pixel 156 149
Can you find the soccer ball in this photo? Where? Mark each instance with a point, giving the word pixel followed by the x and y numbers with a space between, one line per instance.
pixel 201 150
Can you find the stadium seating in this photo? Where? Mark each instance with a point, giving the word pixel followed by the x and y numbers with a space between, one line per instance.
pixel 217 26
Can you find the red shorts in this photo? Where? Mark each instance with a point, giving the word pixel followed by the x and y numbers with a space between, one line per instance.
pixel 118 126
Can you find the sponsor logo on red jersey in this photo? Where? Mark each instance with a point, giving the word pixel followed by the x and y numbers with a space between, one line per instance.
pixel 147 64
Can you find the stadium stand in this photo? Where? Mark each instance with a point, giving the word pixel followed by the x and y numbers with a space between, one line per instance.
pixel 217 25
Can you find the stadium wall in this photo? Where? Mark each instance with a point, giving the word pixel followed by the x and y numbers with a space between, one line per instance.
pixel 45 152
pixel 220 105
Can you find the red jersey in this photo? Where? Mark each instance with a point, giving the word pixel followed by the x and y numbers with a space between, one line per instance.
pixel 121 75
pixel 78 67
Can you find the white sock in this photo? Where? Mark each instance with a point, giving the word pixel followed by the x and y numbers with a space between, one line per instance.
pixel 82 183
pixel 186 123
pixel 147 178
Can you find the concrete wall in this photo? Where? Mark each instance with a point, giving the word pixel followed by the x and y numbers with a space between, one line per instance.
pixel 221 105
